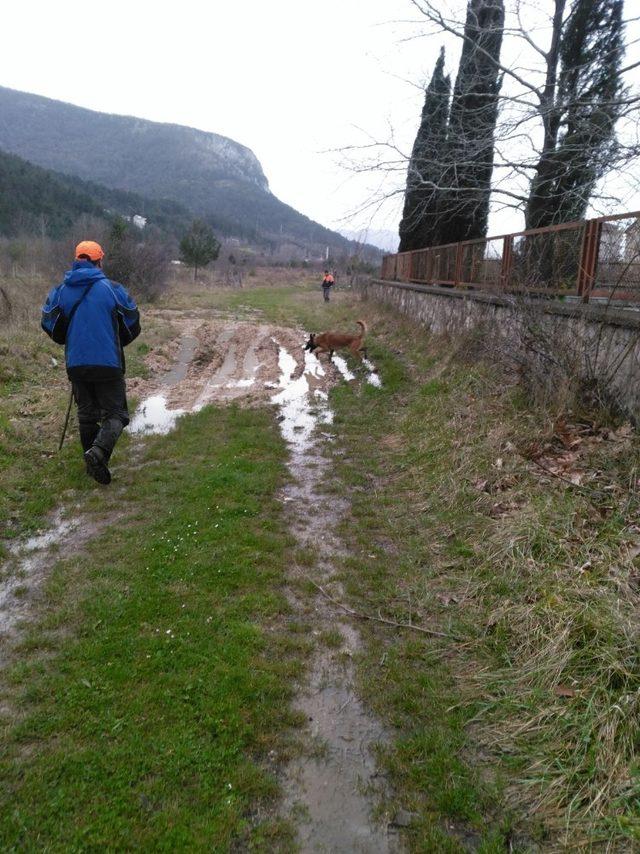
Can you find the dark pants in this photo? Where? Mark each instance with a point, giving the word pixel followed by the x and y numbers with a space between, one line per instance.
pixel 102 412
pixel 325 293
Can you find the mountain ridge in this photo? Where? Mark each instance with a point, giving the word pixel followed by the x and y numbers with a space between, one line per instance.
pixel 211 175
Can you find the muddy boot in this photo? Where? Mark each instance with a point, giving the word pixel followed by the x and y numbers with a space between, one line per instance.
pixel 97 466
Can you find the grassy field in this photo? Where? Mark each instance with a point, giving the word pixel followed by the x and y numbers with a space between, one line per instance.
pixel 520 730
pixel 159 677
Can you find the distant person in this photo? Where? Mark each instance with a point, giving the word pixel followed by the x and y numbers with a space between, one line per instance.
pixel 327 284
pixel 94 318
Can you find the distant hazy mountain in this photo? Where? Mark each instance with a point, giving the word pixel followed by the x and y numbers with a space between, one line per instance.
pixel 33 199
pixel 382 238
pixel 211 175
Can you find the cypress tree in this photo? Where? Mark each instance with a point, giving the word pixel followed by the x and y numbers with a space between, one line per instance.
pixel 419 225
pixel 464 200
pixel 580 123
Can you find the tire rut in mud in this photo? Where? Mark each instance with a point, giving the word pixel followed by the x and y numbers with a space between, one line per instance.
pixel 332 787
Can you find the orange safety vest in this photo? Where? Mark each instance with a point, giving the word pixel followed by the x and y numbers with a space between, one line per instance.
pixel 327 280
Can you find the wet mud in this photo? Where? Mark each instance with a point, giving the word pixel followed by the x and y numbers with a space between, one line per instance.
pixel 332 786
pixel 30 561
pixel 219 360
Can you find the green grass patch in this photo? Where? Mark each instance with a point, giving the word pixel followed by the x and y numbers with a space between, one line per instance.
pixel 144 725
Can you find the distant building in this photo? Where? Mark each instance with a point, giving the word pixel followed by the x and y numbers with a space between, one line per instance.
pixel 139 221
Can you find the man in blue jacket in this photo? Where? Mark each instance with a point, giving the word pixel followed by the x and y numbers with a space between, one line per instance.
pixel 94 318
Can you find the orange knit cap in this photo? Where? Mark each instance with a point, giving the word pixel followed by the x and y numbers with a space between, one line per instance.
pixel 90 248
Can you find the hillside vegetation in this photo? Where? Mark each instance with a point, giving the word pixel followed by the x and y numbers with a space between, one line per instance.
pixel 37 200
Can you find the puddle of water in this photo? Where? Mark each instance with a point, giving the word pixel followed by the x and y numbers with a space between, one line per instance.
pixel 339 814
pixel 342 366
pixel 286 363
pixel 244 383
pixel 327 785
pixel 373 377
pixel 298 415
pixel 186 353
pixel 224 373
pixel 312 365
pixel 30 561
pixel 251 364
pixel 53 535
pixel 153 416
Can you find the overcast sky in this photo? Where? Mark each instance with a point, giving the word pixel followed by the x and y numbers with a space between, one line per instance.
pixel 291 79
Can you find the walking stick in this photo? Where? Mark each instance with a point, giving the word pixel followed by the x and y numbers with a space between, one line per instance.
pixel 66 421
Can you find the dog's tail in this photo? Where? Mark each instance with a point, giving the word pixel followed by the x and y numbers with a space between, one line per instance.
pixel 363 327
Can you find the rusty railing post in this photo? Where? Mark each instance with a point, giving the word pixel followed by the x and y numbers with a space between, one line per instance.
pixel 413 258
pixel 458 268
pixel 506 266
pixel 588 265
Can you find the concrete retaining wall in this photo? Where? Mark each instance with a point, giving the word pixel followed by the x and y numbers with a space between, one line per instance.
pixel 584 341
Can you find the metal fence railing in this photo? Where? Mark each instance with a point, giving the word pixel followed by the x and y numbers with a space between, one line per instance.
pixel 589 259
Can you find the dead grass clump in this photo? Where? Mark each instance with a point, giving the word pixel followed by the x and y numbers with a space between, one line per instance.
pixel 532 547
pixel 21 300
pixel 566 706
pixel 559 582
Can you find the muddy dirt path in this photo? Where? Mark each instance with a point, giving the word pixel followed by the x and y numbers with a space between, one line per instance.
pixel 332 786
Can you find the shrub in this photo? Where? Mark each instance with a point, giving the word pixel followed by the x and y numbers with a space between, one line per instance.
pixel 143 267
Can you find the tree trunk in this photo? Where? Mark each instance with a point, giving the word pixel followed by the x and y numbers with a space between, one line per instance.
pixel 536 212
pixel 464 202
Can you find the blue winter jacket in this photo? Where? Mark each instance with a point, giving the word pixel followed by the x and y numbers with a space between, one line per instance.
pixel 105 321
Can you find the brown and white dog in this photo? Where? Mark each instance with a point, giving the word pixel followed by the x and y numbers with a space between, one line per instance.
pixel 327 342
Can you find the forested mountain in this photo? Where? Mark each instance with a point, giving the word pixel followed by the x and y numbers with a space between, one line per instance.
pixel 33 199
pixel 213 176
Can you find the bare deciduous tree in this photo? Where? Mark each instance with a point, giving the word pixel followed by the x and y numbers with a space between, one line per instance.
pixel 568 119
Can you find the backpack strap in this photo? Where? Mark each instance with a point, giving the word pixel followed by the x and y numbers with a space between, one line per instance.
pixel 63 323
pixel 77 305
